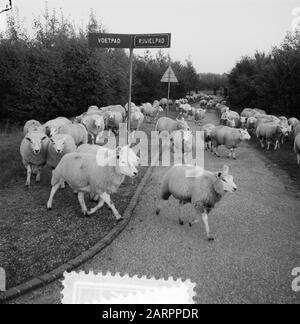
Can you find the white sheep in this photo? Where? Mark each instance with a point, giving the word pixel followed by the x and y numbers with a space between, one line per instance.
pixel 77 131
pixel 52 125
pixel 229 137
pixel 33 125
pixel 297 148
pixel 208 130
pixel 203 189
pixel 101 174
pixel 94 125
pixel 33 150
pixel 165 124
pixel 60 145
pixel 136 120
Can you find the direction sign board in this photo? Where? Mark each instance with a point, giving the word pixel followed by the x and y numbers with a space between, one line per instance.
pixel 169 76
pixel 152 41
pixel 100 40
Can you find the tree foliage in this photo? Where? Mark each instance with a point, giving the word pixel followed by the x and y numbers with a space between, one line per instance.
pixel 269 81
pixel 54 73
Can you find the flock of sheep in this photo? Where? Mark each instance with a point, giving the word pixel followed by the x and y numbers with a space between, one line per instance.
pixel 63 145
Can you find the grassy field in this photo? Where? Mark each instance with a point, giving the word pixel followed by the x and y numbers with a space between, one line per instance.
pixel 33 240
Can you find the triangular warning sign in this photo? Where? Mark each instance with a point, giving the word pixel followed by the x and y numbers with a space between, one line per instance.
pixel 169 76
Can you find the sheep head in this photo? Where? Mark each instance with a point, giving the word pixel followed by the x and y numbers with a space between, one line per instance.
pixel 36 140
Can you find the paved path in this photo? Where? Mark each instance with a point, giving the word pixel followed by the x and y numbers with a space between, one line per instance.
pixel 257 239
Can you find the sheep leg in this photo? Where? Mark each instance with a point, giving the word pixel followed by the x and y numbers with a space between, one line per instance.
pixel 233 154
pixel 38 175
pixel 28 176
pixel 82 203
pixel 269 145
pixel 100 205
pixel 108 201
pixel 276 145
pixel 52 194
pixel 181 205
pixel 298 159
pixel 262 143
pixel 205 221
pixel 216 151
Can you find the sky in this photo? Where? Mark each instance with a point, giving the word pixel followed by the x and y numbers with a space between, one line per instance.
pixel 214 34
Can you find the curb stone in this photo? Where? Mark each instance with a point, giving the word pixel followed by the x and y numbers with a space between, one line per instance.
pixel 57 273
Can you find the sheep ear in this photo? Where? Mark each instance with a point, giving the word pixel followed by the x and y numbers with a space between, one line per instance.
pixel 226 170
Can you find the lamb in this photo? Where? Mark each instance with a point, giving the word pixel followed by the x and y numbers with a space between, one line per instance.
pixel 169 125
pixel 33 150
pixel 270 132
pixel 203 189
pixel 94 125
pixel 33 125
pixel 230 137
pixel 208 130
pixel 297 148
pixel 164 102
pixel 101 175
pixel 77 131
pixel 59 145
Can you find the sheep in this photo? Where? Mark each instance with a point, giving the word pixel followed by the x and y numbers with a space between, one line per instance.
pixel 247 113
pixel 33 150
pixel 229 137
pixel 136 121
pixel 208 129
pixel 199 115
pixel 94 125
pixel 52 125
pixel 292 122
pixel 113 119
pixel 296 129
pixel 33 125
pixel 185 109
pixel 101 175
pixel 77 131
pixel 203 189
pixel 251 124
pixel 270 132
pixel 59 145
pixel 93 109
pixel 116 108
pixel 164 102
pixel 169 125
pixel 151 111
pixel 297 147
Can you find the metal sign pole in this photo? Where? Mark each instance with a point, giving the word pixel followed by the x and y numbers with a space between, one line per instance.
pixel 129 92
pixel 169 86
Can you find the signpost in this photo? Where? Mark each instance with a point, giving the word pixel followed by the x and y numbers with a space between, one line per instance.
pixel 169 77
pixel 101 40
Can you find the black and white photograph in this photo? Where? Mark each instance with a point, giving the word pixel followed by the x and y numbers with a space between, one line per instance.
pixel 150 154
